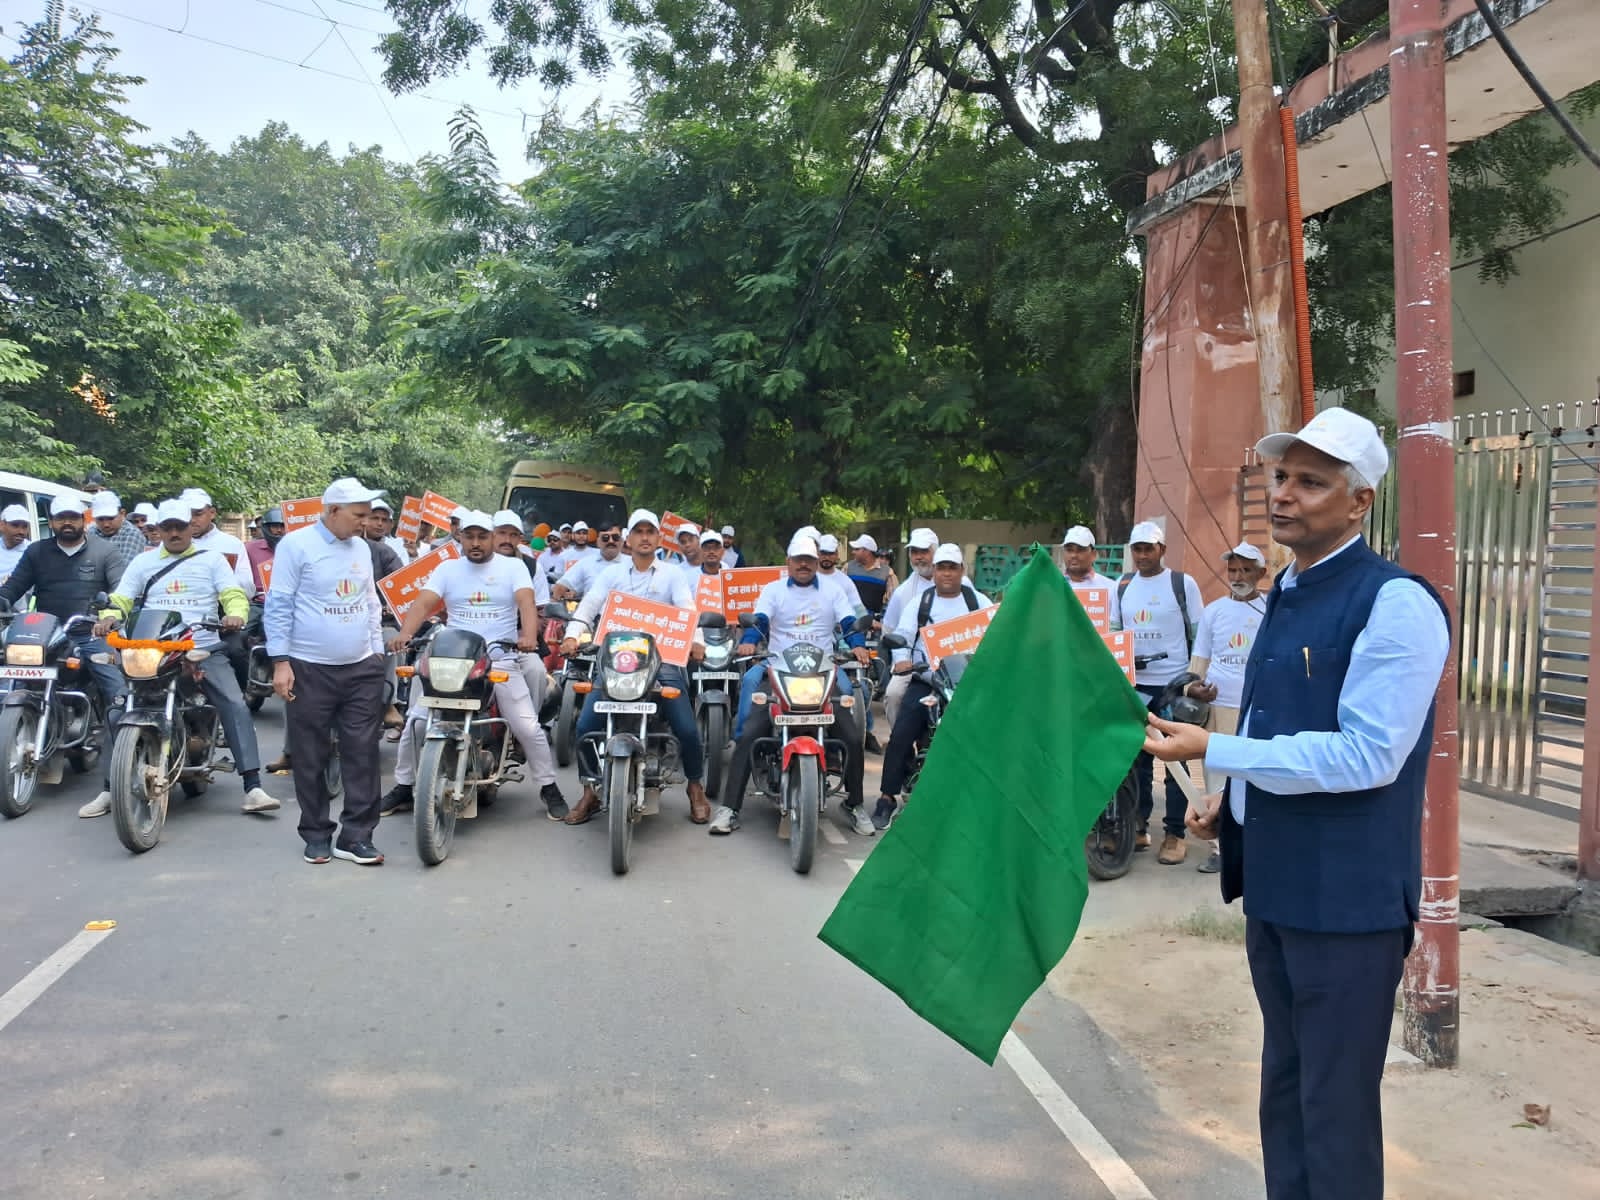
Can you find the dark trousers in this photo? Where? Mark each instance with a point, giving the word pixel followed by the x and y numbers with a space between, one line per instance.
pixel 910 723
pixel 758 724
pixel 1144 769
pixel 113 687
pixel 680 719
pixel 348 701
pixel 1327 1002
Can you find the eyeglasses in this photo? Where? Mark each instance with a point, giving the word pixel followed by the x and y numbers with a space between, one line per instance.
pixel 610 537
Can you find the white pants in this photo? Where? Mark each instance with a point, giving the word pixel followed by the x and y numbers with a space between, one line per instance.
pixel 1223 720
pixel 894 692
pixel 521 714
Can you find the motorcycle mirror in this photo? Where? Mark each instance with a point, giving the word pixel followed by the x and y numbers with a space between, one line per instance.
pixel 891 641
pixel 747 620
pixel 713 620
pixel 556 610
pixel 101 600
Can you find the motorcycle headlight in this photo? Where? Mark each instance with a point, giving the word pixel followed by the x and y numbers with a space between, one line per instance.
pixel 718 654
pixel 448 674
pixel 25 656
pixel 141 664
pixel 804 691
pixel 629 686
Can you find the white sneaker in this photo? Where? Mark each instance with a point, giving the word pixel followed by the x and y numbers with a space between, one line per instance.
pixel 98 807
pixel 724 820
pixel 256 800
pixel 859 820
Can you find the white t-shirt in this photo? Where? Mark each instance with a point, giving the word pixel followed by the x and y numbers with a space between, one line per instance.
pixel 801 614
pixel 1227 631
pixel 482 597
pixel 1150 611
pixel 194 588
pixel 232 548
pixel 852 594
pixel 9 558
pixel 1097 580
pixel 582 575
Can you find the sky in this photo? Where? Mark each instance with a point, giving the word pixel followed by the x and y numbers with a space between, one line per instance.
pixel 224 68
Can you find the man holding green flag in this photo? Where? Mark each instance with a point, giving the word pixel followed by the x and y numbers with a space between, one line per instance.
pixel 978 888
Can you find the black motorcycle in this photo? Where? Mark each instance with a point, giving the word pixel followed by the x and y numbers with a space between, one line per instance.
pixel 943 680
pixel 1109 847
pixel 169 733
pixel 714 690
pixel 51 714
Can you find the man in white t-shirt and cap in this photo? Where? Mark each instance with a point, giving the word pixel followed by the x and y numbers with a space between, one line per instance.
pixel 1222 648
pixel 142 516
pixel 828 571
pixel 919 552
pixel 111 525
pixel 1161 608
pixel 712 552
pixel 731 557
pixel 14 529
pixel 688 539
pixel 380 527
pixel 578 548
pixel 1077 551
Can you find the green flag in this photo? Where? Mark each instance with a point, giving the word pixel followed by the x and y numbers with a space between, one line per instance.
pixel 975 892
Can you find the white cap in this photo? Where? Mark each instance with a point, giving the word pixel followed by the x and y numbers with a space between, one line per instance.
pixel 1079 535
pixel 949 552
pixel 196 498
pixel 13 512
pixel 802 546
pixel 810 531
pixel 458 512
pixel 173 510
pixel 1338 433
pixel 507 517
pixel 865 542
pixel 727 531
pixel 580 527
pixel 1245 550
pixel 477 519
pixel 105 504
pixel 379 502
pixel 1147 531
pixel 349 491
pixel 922 539
pixel 828 544
pixel 688 527
pixel 68 503
pixel 642 516
pixel 565 527
pixel 709 536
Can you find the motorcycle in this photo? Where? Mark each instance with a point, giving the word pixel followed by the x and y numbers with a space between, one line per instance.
pixel 466 744
pixel 943 680
pixel 51 714
pixel 565 700
pixel 799 765
pixel 1109 847
pixel 169 733
pixel 258 677
pixel 714 689
pixel 638 753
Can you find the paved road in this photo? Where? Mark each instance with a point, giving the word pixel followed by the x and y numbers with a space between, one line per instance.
pixel 516 1022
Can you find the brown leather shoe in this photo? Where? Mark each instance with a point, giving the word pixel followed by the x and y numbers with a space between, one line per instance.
pixel 699 806
pixel 392 718
pixel 1141 840
pixel 1173 851
pixel 279 766
pixel 588 804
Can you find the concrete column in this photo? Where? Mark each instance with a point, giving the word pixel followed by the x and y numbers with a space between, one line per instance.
pixel 1199 400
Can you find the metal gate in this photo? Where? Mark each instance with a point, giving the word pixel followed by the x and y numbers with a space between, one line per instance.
pixel 1525 559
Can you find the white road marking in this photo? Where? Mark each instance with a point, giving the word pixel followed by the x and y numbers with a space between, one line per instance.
pixel 34 984
pixel 831 834
pixel 1102 1158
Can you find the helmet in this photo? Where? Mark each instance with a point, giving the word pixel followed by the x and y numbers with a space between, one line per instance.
pixel 273 516
pixel 1175 706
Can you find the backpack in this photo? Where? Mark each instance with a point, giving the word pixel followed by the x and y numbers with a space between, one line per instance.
pixel 1179 594
pixel 925 604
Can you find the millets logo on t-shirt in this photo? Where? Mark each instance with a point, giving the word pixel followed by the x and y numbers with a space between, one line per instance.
pixel 478 598
pixel 345 588
pixel 1239 641
pixel 176 587
pixel 1142 617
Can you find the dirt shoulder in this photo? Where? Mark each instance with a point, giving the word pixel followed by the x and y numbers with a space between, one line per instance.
pixel 1179 999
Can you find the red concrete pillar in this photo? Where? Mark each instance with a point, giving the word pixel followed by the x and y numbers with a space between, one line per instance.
pixel 1199 402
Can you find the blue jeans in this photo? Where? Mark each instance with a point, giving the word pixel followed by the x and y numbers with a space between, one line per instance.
pixel 221 687
pixel 679 714
pixel 756 676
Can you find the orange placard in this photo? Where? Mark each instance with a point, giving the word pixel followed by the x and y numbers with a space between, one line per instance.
pixel 436 510
pixel 957 635
pixel 741 588
pixel 266 574
pixel 409 526
pixel 399 591
pixel 671 523
pixel 672 628
pixel 1097 603
pixel 1121 646
pixel 299 513
pixel 708 593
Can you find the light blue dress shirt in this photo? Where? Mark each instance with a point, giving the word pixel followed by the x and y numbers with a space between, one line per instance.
pixel 322 606
pixel 1394 672
pixel 663 582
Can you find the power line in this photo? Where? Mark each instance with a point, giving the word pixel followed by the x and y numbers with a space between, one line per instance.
pixel 360 66
pixel 311 16
pixel 1534 85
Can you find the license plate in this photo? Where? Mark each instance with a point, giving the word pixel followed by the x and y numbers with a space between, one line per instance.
pixel 803 719
pixel 27 672
pixel 725 676
pixel 456 702
pixel 625 706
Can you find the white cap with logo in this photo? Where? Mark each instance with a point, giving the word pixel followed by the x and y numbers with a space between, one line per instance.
pixel 1338 433
pixel 174 510
pixel 105 504
pixel 1147 532
pixel 949 552
pixel 12 513
pixel 922 539
pixel 61 505
pixel 506 518
pixel 349 490
pixel 643 516
pixel 865 542
pixel 1079 535
pixel 1245 550
pixel 802 546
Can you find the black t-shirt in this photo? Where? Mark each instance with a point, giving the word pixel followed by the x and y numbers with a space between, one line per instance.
pixel 64 585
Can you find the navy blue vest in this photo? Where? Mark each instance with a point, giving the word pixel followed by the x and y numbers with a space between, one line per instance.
pixel 1346 862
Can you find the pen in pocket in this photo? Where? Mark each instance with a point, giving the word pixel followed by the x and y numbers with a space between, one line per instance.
pixel 1306 650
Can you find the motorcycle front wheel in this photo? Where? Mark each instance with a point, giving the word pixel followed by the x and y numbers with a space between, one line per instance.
pixel 435 809
pixel 1108 850
pixel 714 733
pixel 619 813
pixel 566 724
pixel 138 810
pixel 18 728
pixel 802 788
